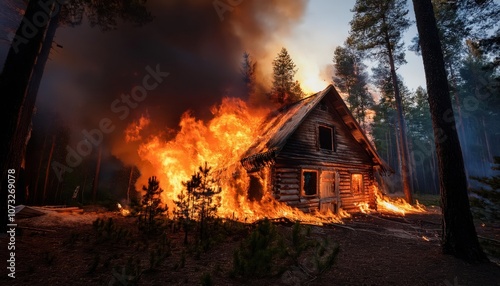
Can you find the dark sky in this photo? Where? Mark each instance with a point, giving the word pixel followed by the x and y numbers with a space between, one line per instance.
pixel 188 39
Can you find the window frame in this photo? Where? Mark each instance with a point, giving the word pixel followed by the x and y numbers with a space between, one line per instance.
pixel 362 192
pixel 302 190
pixel 333 137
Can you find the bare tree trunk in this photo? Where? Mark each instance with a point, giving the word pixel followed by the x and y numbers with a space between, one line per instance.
pixel 426 183
pixel 47 171
pixel 388 147
pixel 462 135
pixel 405 171
pixel 24 124
pixel 398 152
pixel 487 142
pixel 414 181
pixel 14 80
pixel 35 195
pixel 96 177
pixel 129 184
pixel 433 166
pixel 459 236
pixel 84 184
pixel 57 195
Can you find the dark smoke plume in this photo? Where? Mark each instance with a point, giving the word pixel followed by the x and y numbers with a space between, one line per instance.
pixel 199 43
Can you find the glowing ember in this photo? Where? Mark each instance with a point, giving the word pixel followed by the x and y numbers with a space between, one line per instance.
pixel 220 142
pixel 425 238
pixel 363 207
pixel 122 210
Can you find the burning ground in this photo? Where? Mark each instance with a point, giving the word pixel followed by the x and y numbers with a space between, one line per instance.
pixel 374 249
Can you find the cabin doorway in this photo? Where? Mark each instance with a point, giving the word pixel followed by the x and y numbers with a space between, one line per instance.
pixel 329 192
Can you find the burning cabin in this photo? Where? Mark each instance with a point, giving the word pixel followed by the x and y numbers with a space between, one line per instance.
pixel 313 155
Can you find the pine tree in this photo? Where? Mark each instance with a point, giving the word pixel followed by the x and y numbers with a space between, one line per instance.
pixel 151 206
pixel 468 29
pixel 351 78
pixel 184 212
pixel 459 236
pixel 285 89
pixel 248 74
pixel 377 28
pixel 207 201
pixel 421 139
pixel 199 203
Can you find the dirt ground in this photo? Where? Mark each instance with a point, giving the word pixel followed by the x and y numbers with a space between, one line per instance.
pixel 375 249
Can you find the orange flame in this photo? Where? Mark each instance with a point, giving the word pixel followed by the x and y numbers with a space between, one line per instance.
pixel 123 211
pixel 397 206
pixel 220 142
pixel 132 133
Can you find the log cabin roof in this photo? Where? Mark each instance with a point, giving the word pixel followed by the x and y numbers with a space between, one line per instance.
pixel 282 123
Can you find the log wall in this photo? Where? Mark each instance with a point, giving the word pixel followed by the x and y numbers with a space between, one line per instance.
pixel 302 152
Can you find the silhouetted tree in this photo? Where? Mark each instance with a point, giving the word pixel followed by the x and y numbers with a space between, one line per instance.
pixel 285 89
pixel 28 53
pixel 248 73
pixel 350 77
pixel 459 236
pixel 151 207
pixel 377 27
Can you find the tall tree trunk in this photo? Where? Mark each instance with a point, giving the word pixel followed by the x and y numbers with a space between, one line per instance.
pixel 405 171
pixel 35 195
pixel 461 135
pixel 24 124
pixel 129 184
pixel 414 181
pixel 398 151
pixel 84 184
pixel 459 234
pixel 96 177
pixel 14 80
pixel 426 185
pixel 388 146
pixel 433 165
pixel 19 69
pixel 487 142
pixel 47 170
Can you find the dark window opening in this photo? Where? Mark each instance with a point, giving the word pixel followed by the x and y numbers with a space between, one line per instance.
pixel 310 182
pixel 326 138
pixel 255 189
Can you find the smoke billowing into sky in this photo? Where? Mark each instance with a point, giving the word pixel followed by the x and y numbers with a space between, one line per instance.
pixel 200 50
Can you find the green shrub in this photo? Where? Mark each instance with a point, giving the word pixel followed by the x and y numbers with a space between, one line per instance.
pixel 255 255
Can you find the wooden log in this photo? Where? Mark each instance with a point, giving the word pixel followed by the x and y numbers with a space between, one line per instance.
pixel 306 201
pixel 286 198
pixel 287 180
pixel 287 186
pixel 289 192
pixel 285 170
pixel 287 175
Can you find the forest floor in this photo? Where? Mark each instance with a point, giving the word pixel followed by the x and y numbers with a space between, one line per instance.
pixel 374 249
